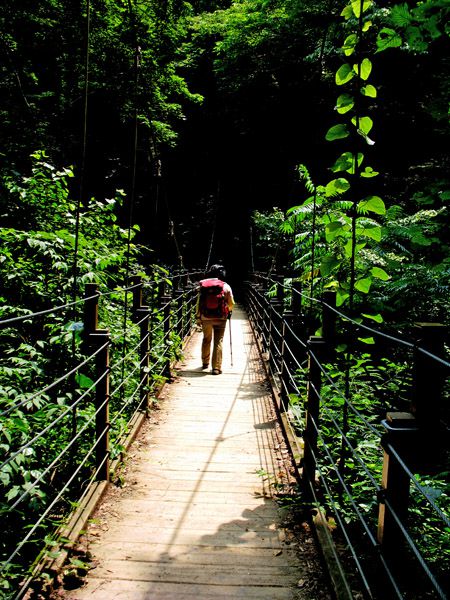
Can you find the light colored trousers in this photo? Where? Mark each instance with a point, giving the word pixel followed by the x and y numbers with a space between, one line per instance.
pixel 216 328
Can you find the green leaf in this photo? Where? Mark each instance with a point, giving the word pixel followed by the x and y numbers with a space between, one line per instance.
pixel 335 229
pixel 350 44
pixel 400 15
pixel 348 248
pixel 337 186
pixel 377 318
pixel 328 264
pixel 364 124
pixel 369 90
pixel 363 285
pixel 368 340
pixel 373 232
pixel 369 172
pixel 356 7
pixel 388 38
pixel 83 381
pixel 341 297
pixel 367 25
pixel 13 493
pixel 344 74
pixel 343 163
pixel 337 132
pixel 380 273
pixel 364 68
pixel 372 204
pixel 345 102
pixel 347 12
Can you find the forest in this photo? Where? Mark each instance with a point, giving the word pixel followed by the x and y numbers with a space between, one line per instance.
pixel 307 139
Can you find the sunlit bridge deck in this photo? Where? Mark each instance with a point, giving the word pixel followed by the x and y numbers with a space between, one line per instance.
pixel 197 516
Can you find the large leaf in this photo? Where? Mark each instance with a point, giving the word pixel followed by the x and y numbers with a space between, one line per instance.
pixel 372 204
pixel 400 15
pixel 344 74
pixel 83 381
pixel 388 38
pixel 341 297
pixel 363 285
pixel 364 124
pixel 350 44
pixel 335 229
pixel 373 232
pixel 328 264
pixel 356 7
pixel 347 12
pixel 364 68
pixel 344 103
pixel 380 273
pixel 337 132
pixel 337 186
pixel 369 90
pixel 343 163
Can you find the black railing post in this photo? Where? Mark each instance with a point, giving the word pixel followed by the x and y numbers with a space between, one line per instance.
pixel 166 306
pixel 98 340
pixel 316 346
pixel 141 315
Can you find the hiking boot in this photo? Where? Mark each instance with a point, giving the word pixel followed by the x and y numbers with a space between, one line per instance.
pixel 216 371
pixel 205 365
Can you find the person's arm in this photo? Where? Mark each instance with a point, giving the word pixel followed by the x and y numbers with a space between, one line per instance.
pixel 229 297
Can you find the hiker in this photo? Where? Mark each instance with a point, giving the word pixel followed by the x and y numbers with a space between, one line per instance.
pixel 214 307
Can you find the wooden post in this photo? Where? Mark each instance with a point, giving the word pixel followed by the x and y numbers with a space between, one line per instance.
pixel 316 346
pixel 94 339
pixel 401 438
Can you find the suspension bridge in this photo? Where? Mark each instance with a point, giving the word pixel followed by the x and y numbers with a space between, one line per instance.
pixel 305 419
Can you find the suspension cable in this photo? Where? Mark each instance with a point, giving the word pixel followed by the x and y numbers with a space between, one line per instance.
pixel 83 153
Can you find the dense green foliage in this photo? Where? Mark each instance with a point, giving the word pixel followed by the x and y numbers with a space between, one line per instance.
pixel 202 113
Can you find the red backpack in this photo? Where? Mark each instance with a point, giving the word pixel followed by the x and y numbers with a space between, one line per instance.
pixel 212 302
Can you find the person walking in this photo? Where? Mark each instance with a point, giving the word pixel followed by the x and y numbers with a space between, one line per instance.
pixel 214 307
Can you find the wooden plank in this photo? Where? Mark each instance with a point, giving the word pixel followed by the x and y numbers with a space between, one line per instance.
pixel 195 518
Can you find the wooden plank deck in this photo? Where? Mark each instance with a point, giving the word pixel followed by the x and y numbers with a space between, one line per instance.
pixel 197 517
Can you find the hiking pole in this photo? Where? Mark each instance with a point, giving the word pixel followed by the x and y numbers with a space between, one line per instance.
pixel 231 344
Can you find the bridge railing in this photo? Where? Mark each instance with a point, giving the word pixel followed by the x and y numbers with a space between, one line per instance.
pixel 61 442
pixel 365 414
